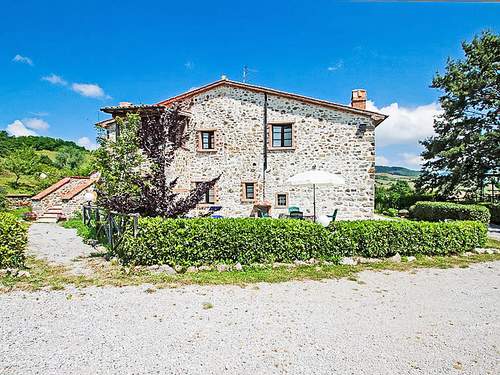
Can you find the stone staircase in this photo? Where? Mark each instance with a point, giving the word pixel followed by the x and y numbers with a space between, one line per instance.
pixel 52 215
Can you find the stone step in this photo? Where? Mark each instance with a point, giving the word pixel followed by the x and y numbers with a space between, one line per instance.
pixel 54 212
pixel 50 215
pixel 47 220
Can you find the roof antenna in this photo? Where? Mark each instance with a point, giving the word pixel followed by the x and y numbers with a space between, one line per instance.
pixel 246 73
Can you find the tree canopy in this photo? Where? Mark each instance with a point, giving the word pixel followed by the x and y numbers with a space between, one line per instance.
pixel 466 146
pixel 22 162
pixel 134 168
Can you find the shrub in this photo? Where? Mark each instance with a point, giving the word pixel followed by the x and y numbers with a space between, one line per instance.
pixel 3 199
pixel 13 240
pixel 494 209
pixel 209 241
pixel 384 238
pixel 439 211
pixel 392 212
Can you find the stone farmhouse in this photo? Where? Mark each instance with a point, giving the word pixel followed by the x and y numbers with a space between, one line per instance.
pixel 257 138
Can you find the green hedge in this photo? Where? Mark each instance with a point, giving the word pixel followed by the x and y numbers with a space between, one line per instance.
pixel 440 211
pixel 494 211
pixel 384 238
pixel 13 240
pixel 211 241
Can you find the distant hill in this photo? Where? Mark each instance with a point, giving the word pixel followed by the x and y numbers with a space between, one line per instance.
pixel 9 143
pixel 398 171
pixel 58 158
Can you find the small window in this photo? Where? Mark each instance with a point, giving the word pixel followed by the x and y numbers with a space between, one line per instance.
pixel 282 135
pixel 209 197
pixel 249 190
pixel 207 140
pixel 281 200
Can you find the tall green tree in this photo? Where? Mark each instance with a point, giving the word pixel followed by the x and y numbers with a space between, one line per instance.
pixel 467 142
pixel 69 158
pixel 135 166
pixel 22 162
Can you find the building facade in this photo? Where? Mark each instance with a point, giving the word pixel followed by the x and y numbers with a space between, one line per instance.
pixel 256 138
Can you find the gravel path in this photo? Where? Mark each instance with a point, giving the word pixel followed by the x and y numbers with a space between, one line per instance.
pixel 494 231
pixel 58 245
pixel 428 322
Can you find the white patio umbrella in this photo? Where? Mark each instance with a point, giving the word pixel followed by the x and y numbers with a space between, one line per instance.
pixel 315 177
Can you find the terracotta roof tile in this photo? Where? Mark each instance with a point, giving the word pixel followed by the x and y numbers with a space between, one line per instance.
pixel 77 189
pixel 52 188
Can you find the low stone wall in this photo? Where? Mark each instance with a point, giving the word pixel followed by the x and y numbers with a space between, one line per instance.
pixel 18 200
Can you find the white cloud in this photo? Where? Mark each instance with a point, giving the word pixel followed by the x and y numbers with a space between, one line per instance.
pixel 23 60
pixel 39 114
pixel 18 129
pixel 87 143
pixel 339 64
pixel 189 65
pixel 410 160
pixel 90 90
pixel 405 125
pixel 381 160
pixel 55 79
pixel 405 159
pixel 35 123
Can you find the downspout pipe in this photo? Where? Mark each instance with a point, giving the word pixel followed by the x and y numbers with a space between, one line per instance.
pixel 264 162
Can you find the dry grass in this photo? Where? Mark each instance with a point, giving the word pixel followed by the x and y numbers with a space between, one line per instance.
pixel 50 277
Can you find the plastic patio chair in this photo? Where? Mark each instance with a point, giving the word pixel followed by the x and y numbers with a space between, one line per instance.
pixel 297 215
pixel 334 215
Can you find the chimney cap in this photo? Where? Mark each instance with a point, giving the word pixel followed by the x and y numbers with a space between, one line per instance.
pixel 359 93
pixel 358 99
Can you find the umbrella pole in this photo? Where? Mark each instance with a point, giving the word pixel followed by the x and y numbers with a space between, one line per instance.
pixel 314 201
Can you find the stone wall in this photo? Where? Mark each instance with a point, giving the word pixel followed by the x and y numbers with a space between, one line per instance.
pixel 74 205
pixel 328 139
pixel 40 206
pixel 18 200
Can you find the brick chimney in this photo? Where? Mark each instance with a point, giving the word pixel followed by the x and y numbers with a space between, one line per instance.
pixel 358 99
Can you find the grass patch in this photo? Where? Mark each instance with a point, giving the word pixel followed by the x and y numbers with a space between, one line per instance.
pixel 19 212
pixel 81 229
pixel 492 243
pixel 50 277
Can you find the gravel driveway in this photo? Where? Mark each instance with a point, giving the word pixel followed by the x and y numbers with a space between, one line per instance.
pixel 58 245
pixel 428 322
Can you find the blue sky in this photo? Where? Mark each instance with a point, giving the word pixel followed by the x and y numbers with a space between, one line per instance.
pixel 60 61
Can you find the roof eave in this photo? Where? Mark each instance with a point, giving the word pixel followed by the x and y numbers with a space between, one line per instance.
pixel 375 116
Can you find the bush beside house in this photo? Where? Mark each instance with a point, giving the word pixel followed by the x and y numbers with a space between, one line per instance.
pixel 494 211
pixel 440 211
pixel 211 241
pixel 386 238
pixel 13 240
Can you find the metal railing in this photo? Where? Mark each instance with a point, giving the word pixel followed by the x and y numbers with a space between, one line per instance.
pixel 107 226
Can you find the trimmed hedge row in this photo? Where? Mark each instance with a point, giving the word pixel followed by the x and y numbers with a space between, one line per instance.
pixel 13 240
pixel 386 238
pixel 494 211
pixel 440 211
pixel 211 241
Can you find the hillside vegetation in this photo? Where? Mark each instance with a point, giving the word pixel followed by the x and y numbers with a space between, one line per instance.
pixel 398 171
pixel 30 164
